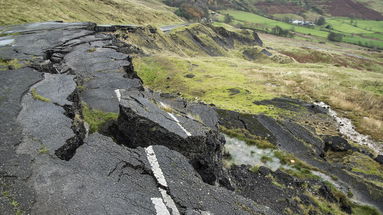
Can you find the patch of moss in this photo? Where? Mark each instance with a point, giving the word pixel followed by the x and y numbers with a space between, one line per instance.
pixel 5 194
pixel 363 164
pixel 326 207
pixel 81 87
pixel 254 168
pixel 291 160
pixel 15 203
pixel 364 209
pixel 43 150
pixel 96 118
pixel 14 64
pixel 250 139
pixel 19 212
pixel 91 50
pixel 37 96
pixel 302 173
pixel 265 159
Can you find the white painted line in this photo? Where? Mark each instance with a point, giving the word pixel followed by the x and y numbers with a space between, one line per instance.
pixel 176 120
pixel 118 94
pixel 169 202
pixel 178 123
pixel 160 207
pixel 158 174
pixel 155 166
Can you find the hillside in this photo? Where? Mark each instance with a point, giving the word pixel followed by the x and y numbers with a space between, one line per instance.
pixel 82 134
pixel 345 8
pixel 100 11
pixel 196 107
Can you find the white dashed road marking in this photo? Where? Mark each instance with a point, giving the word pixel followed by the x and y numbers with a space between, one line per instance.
pixel 158 174
pixel 178 123
pixel 169 202
pixel 160 206
pixel 118 94
pixel 155 166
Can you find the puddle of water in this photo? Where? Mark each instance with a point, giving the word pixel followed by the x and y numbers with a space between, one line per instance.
pixel 348 130
pixel 6 42
pixel 242 153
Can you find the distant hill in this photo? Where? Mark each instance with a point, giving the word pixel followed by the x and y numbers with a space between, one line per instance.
pixel 345 8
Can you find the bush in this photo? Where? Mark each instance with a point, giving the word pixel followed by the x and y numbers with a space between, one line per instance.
pixel 335 37
pixel 228 18
pixel 320 21
pixel 281 32
pixel 182 13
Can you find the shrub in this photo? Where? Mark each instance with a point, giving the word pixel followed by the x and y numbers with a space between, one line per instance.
pixel 281 32
pixel 320 21
pixel 228 18
pixel 335 37
pixel 182 13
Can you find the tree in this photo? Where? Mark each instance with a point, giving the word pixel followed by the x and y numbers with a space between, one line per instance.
pixel 335 37
pixel 320 21
pixel 228 18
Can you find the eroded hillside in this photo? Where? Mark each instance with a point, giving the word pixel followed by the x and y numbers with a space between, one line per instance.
pixel 82 134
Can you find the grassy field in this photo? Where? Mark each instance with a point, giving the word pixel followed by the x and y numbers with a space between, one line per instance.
pixel 367 33
pixel 151 12
pixel 325 72
pixel 267 24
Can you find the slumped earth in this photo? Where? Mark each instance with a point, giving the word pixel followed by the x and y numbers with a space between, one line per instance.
pixel 82 133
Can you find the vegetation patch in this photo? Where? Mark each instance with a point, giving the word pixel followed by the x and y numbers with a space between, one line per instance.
pixel 291 160
pixel 37 96
pixel 360 32
pixel 363 164
pixel 96 118
pixel 244 135
pixel 102 12
pixel 43 150
pixel 10 64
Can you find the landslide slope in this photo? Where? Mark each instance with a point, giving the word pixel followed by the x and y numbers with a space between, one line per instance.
pixel 100 11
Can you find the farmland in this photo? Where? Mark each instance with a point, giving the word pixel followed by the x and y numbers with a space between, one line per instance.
pixel 367 33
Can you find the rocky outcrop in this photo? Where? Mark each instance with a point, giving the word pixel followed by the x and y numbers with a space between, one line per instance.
pixel 189 40
pixel 336 144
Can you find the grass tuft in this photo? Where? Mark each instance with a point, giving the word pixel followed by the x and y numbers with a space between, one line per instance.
pixel 10 64
pixel 250 139
pixel 43 150
pixel 37 96
pixel 97 118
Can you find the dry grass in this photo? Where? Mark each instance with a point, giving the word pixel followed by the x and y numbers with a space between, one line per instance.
pixel 372 124
pixel 340 101
pixel 100 11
